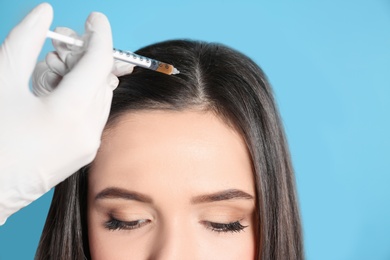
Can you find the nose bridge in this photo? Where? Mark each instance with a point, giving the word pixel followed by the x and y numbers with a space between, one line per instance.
pixel 174 240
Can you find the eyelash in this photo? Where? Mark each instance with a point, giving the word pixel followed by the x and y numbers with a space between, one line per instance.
pixel 115 224
pixel 234 227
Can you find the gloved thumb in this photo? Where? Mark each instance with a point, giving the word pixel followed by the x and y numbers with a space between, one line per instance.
pixel 20 50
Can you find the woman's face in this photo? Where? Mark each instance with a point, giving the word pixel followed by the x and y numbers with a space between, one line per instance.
pixel 171 185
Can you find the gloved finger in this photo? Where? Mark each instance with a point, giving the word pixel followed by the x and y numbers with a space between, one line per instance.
pixel 21 48
pixel 72 59
pixel 121 68
pixel 96 63
pixel 63 49
pixel 69 54
pixel 113 81
pixel 44 80
pixel 55 64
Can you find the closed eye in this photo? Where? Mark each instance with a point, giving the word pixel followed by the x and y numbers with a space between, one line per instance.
pixel 115 224
pixel 233 227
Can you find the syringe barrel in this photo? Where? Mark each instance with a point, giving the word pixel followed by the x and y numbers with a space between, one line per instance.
pixel 135 59
pixel 142 61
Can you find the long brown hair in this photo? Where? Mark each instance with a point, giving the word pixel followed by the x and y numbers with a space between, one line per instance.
pixel 212 77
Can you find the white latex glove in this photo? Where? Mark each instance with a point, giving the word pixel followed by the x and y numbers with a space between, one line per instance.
pixel 44 140
pixel 49 73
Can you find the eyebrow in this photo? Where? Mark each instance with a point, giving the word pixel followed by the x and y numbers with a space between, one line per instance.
pixel 118 193
pixel 222 195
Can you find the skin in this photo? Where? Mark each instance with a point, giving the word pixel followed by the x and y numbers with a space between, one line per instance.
pixel 168 174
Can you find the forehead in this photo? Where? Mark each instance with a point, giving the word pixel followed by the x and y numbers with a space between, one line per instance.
pixel 188 148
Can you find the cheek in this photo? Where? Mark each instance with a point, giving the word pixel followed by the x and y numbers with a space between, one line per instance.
pixel 230 246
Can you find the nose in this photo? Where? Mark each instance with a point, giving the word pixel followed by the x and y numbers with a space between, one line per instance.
pixel 174 241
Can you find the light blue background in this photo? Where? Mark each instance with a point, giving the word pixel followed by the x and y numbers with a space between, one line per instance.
pixel 329 64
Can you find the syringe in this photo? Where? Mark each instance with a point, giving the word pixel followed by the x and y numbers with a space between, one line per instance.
pixel 125 56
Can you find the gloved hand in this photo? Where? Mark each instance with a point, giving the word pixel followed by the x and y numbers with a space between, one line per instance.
pixel 44 140
pixel 49 73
